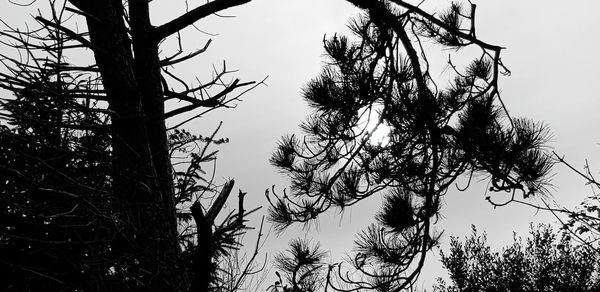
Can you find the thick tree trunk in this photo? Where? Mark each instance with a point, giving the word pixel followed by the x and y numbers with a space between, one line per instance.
pixel 147 73
pixel 128 60
pixel 142 175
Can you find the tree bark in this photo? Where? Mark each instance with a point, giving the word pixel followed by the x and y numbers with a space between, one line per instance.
pixel 142 180
pixel 126 49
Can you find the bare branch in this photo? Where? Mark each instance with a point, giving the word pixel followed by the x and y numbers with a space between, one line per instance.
pixel 194 15
pixel 172 61
pixel 216 207
pixel 69 32
pixel 212 102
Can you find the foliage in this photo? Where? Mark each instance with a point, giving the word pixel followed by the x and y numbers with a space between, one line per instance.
pixel 302 266
pixel 56 219
pixel 96 193
pixel 436 135
pixel 542 263
pixel 583 222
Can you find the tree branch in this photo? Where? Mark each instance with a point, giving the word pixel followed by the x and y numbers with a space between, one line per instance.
pixel 220 201
pixel 469 37
pixel 194 15
pixel 213 102
pixel 68 32
pixel 173 61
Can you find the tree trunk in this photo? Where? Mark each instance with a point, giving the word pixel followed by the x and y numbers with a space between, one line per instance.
pixel 142 181
pixel 125 46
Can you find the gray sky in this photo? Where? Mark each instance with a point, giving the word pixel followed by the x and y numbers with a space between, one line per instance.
pixel 551 50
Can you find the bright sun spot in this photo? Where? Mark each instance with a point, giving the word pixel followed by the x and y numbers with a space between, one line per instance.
pixel 368 122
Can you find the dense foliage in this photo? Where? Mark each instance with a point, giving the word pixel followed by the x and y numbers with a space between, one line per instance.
pixel 380 78
pixel 302 267
pixel 544 262
pixel 56 219
pixel 96 194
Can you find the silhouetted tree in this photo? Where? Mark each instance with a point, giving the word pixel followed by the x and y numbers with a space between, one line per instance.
pixel 90 196
pixel 55 217
pixel 582 223
pixel 302 266
pixel 382 80
pixel 542 263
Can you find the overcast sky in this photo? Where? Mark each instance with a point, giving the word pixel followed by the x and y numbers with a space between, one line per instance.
pixel 552 51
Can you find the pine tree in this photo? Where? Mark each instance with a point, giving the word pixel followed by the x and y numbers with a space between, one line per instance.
pixel 380 79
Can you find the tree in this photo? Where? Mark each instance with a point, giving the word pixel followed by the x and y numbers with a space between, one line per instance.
pixel 302 267
pixel 583 222
pixel 50 158
pixel 543 263
pixel 87 178
pixel 382 81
